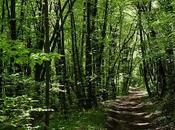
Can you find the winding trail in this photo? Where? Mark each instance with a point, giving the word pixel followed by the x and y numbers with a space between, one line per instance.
pixel 131 112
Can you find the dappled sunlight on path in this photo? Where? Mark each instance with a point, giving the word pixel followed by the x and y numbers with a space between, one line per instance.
pixel 131 112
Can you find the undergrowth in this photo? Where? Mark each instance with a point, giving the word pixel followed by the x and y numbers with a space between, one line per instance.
pixel 93 119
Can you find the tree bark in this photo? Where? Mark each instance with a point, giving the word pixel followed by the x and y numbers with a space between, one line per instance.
pixel 79 84
pixel 143 50
pixel 47 63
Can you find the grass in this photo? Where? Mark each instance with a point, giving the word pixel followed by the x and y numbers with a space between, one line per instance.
pixel 89 120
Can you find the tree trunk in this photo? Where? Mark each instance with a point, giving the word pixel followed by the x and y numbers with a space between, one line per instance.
pixel 13 20
pixel 47 63
pixel 89 55
pixel 3 15
pixel 143 50
pixel 79 84
pixel 1 72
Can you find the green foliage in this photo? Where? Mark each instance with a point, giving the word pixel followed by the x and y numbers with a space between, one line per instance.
pixel 168 108
pixel 39 58
pixel 15 49
pixel 88 120
pixel 15 113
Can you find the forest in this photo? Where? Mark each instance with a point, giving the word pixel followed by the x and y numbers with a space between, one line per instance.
pixel 87 65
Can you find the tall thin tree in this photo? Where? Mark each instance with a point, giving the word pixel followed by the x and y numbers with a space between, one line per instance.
pixel 47 63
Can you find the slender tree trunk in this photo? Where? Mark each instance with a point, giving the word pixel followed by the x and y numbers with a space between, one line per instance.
pixel 99 59
pixel 83 35
pixel 3 15
pixel 8 11
pixel 1 50
pixel 77 65
pixel 161 78
pixel 61 64
pixel 13 20
pixel 129 70
pixel 143 50
pixel 47 63
pixel 12 29
pixel 27 68
pixel 89 54
pixel 21 21
pixel 1 72
pixel 39 69
pixel 94 49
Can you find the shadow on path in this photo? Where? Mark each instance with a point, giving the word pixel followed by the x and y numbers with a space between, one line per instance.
pixel 131 112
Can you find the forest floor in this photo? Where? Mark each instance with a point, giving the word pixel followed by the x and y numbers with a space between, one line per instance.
pixel 133 112
pixel 93 119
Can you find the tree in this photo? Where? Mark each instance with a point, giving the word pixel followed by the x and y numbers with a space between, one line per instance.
pixel 47 63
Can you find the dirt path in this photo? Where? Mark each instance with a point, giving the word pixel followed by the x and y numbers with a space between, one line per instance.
pixel 131 113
